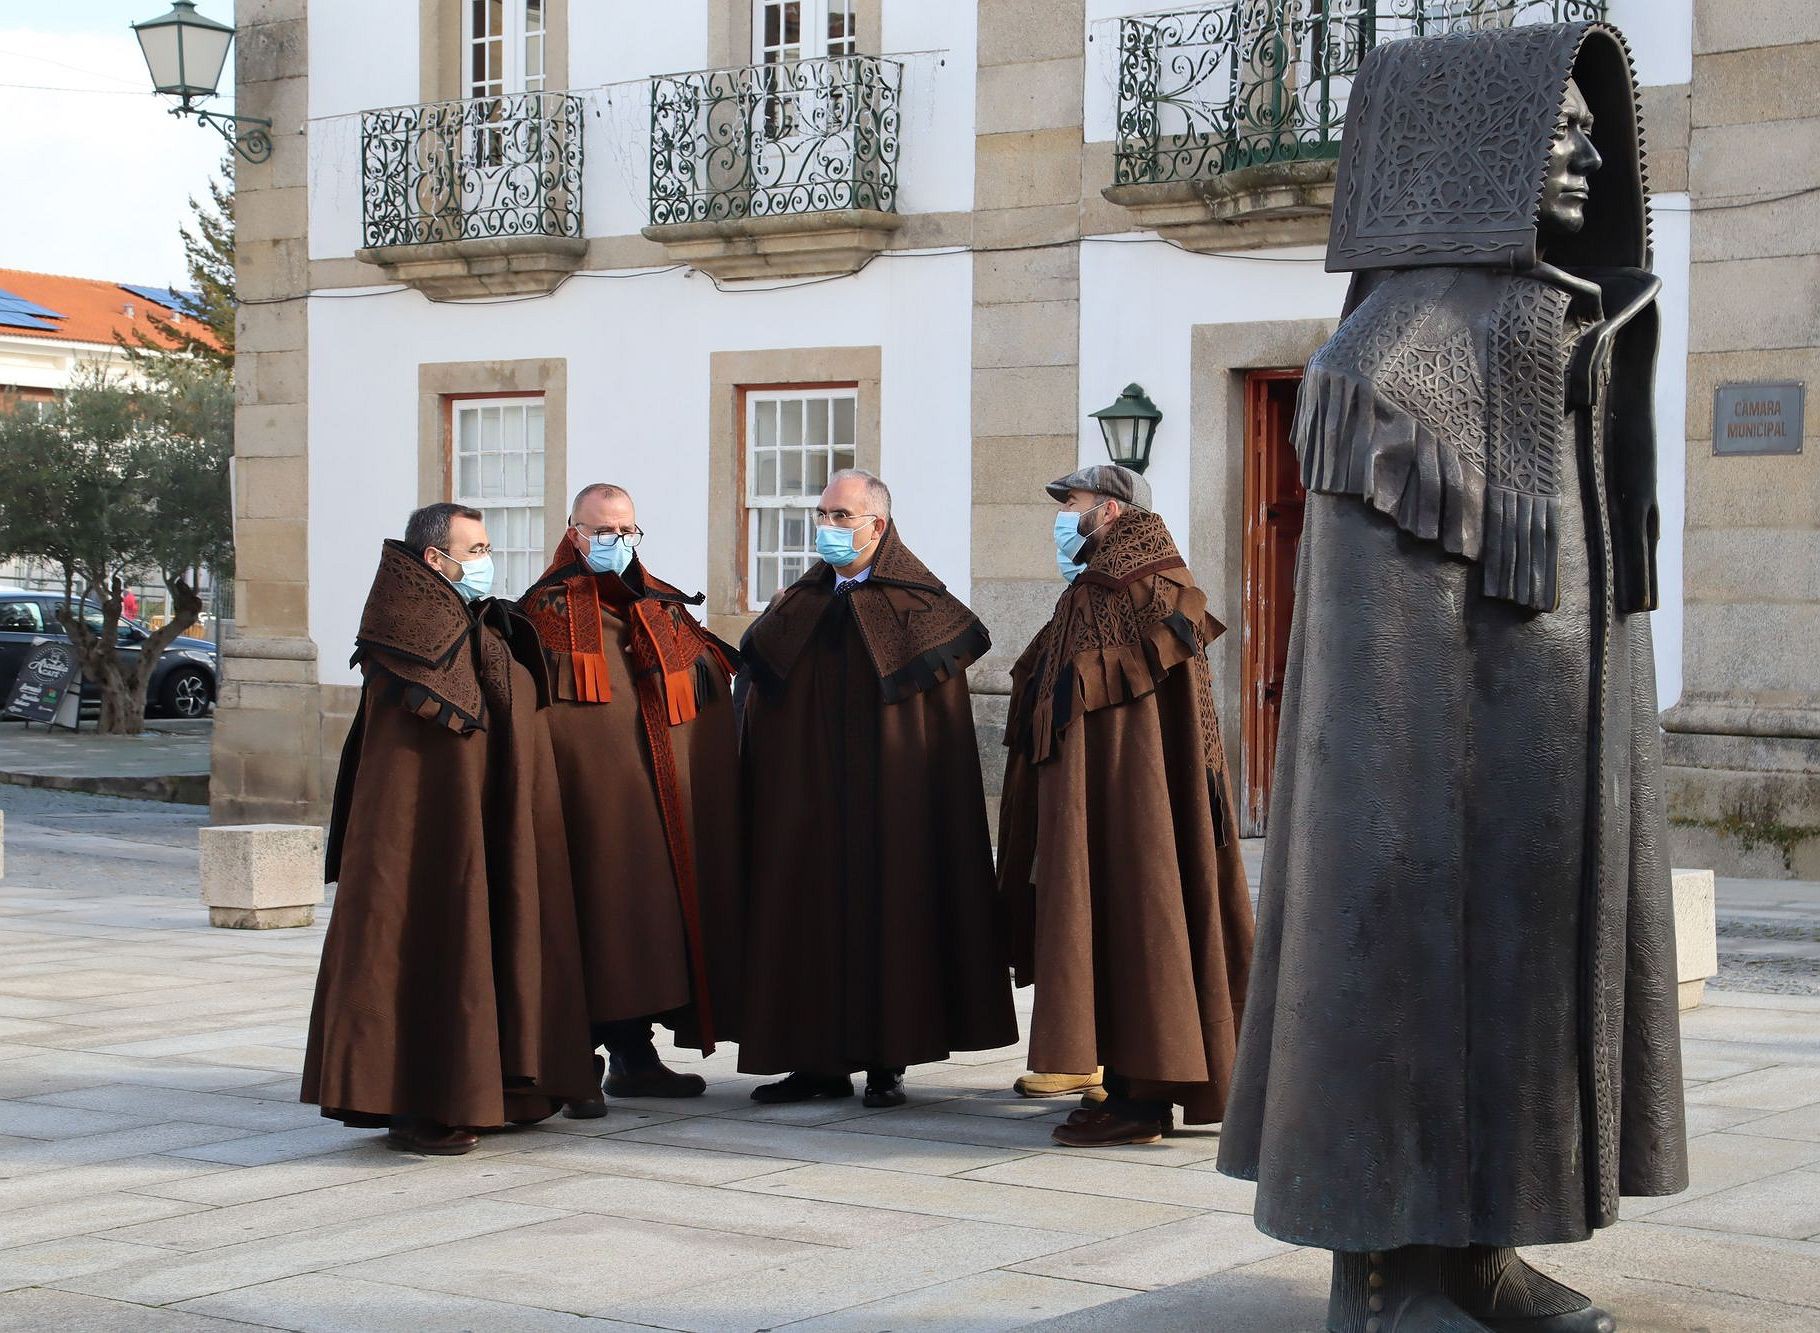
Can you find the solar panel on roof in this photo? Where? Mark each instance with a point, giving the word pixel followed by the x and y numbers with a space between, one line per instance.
pixel 10 319
pixel 20 306
pixel 182 303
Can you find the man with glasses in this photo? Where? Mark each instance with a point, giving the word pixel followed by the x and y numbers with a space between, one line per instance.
pixel 648 765
pixel 450 994
pixel 872 933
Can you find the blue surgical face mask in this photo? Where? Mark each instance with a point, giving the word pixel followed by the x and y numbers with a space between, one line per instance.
pixel 835 545
pixel 608 554
pixel 476 579
pixel 1068 542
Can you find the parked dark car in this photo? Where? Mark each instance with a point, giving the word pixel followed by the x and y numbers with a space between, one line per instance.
pixel 182 684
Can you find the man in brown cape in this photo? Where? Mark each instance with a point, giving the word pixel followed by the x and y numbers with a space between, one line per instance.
pixel 873 942
pixel 1117 856
pixel 649 769
pixel 449 996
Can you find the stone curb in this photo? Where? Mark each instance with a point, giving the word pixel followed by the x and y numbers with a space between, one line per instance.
pixel 175 789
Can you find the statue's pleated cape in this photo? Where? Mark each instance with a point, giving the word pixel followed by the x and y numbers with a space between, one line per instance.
pixel 872 935
pixel 450 985
pixel 1118 856
pixel 642 726
pixel 1462 1025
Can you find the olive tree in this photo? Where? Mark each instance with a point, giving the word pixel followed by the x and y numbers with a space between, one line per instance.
pixel 110 482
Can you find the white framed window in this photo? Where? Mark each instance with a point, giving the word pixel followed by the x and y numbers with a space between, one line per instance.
pixel 496 466
pixel 794 439
pixel 786 30
pixel 504 44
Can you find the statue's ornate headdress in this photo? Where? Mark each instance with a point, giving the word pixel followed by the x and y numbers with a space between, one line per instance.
pixel 1447 143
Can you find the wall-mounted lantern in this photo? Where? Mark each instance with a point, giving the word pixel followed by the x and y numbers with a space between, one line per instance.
pixel 185 53
pixel 1129 426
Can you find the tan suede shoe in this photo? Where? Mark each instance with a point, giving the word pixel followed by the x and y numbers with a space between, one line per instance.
pixel 1061 1085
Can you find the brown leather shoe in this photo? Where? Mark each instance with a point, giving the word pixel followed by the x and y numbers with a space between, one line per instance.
pixel 1100 1128
pixel 1165 1122
pixel 595 1107
pixel 426 1136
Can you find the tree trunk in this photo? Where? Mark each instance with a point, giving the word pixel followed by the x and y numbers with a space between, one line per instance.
pixel 122 705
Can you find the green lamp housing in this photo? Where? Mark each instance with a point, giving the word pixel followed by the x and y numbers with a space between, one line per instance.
pixel 1129 426
pixel 184 51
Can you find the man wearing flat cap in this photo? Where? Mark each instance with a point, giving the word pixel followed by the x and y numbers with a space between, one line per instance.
pixel 1118 858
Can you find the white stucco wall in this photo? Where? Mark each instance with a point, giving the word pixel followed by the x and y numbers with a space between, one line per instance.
pixel 638 358
pixel 1139 304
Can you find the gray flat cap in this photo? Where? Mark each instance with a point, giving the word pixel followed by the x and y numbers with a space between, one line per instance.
pixel 1108 479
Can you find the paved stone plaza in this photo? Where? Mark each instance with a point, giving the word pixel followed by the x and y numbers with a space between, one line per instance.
pixel 157 1173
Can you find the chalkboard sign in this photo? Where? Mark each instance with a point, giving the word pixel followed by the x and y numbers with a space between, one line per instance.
pixel 46 680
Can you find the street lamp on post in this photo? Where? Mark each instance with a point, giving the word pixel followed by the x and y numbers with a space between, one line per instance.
pixel 1129 426
pixel 185 53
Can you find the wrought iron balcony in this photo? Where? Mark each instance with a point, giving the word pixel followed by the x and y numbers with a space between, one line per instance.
pixel 761 152
pixel 1228 88
pixel 474 189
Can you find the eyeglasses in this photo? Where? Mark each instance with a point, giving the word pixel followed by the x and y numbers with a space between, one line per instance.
pixel 474 552
pixel 840 516
pixel 627 536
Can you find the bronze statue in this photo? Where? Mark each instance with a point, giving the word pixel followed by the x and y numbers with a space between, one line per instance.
pixel 1462 1035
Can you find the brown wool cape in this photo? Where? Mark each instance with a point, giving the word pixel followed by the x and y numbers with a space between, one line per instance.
pixel 872 934
pixel 450 985
pixel 1117 864
pixel 648 763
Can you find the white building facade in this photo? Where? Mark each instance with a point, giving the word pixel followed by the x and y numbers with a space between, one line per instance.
pixel 500 253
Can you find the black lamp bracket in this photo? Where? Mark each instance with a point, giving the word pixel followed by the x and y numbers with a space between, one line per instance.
pixel 253 143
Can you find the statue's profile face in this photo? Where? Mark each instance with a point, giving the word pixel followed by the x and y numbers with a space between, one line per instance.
pixel 1572 160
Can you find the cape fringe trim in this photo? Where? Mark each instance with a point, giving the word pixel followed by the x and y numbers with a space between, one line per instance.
pixel 416 699
pixel 1106 677
pixel 1354 441
pixel 589 674
pixel 936 665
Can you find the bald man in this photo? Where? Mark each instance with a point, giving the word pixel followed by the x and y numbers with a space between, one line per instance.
pixel 648 766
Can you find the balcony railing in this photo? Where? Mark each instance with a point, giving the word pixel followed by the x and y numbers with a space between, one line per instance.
pixel 765 141
pixel 1244 83
pixel 483 168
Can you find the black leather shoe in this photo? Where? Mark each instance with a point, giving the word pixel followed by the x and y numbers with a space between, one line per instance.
pixel 884 1089
pixel 660 1081
pixel 593 1109
pixel 802 1087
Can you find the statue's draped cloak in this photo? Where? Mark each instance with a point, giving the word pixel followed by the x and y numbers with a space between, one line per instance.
pixel 647 759
pixel 1118 864
pixel 1462 1023
pixel 450 985
pixel 872 935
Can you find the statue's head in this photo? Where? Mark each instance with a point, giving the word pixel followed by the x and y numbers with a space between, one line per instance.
pixel 1572 160
pixel 1493 148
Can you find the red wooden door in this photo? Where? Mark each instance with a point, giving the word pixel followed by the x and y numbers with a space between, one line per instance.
pixel 1273 526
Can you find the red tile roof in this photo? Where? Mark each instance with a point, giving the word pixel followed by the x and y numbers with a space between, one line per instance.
pixel 92 311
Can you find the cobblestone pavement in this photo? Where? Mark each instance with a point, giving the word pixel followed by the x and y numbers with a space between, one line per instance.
pixel 156 1172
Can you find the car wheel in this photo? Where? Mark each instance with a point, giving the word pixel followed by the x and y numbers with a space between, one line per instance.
pixel 187 693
